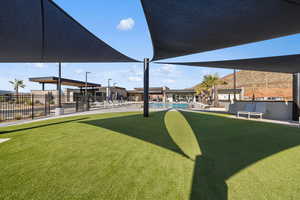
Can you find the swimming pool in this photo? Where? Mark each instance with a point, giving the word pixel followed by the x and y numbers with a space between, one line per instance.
pixel 168 105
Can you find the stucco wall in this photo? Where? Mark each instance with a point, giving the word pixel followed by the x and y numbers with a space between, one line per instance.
pixel 274 110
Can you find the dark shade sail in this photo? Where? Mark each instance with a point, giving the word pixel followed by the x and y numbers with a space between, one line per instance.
pixel 40 31
pixel 284 64
pixel 182 27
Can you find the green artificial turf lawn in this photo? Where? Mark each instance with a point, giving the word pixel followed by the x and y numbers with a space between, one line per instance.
pixel 170 155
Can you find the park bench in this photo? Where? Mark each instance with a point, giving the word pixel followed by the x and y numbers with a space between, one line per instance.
pixel 258 109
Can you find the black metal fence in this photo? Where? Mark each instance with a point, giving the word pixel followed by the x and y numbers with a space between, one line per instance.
pixel 16 107
pixel 82 103
pixel 30 106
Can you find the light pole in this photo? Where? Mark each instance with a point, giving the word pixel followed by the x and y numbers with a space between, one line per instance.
pixel 59 110
pixel 59 86
pixel 86 77
pixel 107 90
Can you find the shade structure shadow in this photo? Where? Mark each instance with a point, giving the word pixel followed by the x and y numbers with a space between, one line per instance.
pixel 45 124
pixel 206 183
pixel 229 146
pixel 141 128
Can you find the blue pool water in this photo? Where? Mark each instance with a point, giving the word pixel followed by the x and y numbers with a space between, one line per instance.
pixel 169 105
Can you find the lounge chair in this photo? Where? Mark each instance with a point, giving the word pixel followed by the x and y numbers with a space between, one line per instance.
pixel 249 108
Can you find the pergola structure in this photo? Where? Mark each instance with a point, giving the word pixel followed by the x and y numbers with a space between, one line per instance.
pixel 40 31
pixel 64 81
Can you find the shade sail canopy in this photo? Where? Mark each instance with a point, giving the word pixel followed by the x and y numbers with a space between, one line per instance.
pixel 284 64
pixel 180 28
pixel 40 31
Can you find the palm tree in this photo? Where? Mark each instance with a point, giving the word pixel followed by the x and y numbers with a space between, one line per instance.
pixel 209 87
pixel 204 92
pixel 17 84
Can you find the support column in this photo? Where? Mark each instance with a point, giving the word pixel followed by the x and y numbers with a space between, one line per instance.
pixel 234 84
pixel 146 87
pixel 43 86
pixel 59 110
pixel 59 86
pixel 296 96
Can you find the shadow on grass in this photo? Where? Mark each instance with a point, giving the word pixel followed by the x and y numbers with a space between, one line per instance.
pixel 41 126
pixel 229 146
pixel 141 128
pixel 207 184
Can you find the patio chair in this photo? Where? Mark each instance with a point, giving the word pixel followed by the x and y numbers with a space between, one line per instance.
pixel 260 110
pixel 249 108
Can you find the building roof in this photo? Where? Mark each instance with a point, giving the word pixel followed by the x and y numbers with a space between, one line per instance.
pixel 64 81
pixel 151 88
pixel 160 90
pixel 3 92
pixel 181 91
pixel 229 91
pixel 142 92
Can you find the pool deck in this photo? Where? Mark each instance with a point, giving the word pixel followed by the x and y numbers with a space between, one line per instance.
pixel 139 109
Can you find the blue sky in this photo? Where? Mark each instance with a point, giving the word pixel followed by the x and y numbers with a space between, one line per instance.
pixel 122 25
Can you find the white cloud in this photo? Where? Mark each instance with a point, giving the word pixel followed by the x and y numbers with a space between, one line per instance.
pixel 167 68
pixel 39 65
pixel 79 71
pixel 134 78
pixel 135 70
pixel 169 81
pixel 126 24
pixel 206 71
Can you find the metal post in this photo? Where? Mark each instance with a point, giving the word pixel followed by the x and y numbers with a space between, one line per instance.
pixel 86 91
pixel 234 84
pixel 49 102
pixel 108 89
pixel 59 86
pixel 43 86
pixel 146 87
pixel 86 79
pixel 32 106
pixel 77 103
pixel 296 96
pixel 45 104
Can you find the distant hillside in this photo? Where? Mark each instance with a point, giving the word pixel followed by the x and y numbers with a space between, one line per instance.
pixel 261 84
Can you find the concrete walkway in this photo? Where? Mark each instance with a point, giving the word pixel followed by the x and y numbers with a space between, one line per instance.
pixel 132 108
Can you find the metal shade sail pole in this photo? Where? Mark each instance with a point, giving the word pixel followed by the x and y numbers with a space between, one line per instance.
pixel 59 86
pixel 234 84
pixel 296 96
pixel 146 87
